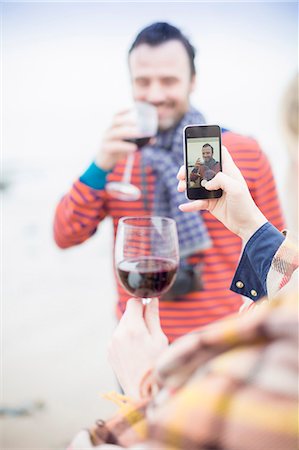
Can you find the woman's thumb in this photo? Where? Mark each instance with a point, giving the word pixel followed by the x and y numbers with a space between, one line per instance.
pixel 220 181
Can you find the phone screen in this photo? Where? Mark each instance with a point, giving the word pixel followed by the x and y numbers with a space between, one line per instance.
pixel 202 159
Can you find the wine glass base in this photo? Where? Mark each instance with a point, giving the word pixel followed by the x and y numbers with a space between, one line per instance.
pixel 123 191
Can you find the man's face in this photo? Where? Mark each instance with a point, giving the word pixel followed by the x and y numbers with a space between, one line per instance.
pixel 207 154
pixel 161 76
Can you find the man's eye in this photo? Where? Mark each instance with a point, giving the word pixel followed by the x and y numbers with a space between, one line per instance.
pixel 169 81
pixel 142 82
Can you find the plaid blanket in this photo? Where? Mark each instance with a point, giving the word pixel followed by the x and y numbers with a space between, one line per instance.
pixel 233 386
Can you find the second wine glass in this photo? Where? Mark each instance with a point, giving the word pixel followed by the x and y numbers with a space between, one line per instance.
pixel 145 117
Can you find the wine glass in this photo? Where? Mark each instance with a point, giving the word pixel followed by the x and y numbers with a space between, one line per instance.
pixel 146 255
pixel 146 118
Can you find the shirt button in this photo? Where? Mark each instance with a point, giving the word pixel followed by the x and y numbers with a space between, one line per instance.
pixel 253 293
pixel 239 284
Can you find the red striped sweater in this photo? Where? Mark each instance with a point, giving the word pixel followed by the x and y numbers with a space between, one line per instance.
pixel 82 209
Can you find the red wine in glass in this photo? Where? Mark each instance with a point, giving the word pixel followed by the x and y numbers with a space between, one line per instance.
pixel 148 276
pixel 141 141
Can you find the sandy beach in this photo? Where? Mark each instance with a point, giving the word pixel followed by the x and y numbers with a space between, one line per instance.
pixel 58 315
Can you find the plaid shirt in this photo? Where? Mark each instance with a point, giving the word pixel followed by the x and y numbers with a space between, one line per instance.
pixel 233 386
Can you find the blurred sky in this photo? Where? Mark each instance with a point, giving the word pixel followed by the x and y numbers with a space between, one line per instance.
pixel 65 72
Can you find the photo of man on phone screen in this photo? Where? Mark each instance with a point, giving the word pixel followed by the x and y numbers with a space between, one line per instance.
pixel 206 166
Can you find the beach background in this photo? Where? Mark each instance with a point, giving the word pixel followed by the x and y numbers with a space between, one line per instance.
pixel 64 73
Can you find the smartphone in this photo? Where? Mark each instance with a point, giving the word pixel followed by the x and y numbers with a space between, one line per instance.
pixel 202 159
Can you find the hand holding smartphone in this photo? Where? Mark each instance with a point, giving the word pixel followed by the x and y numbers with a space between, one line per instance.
pixel 202 159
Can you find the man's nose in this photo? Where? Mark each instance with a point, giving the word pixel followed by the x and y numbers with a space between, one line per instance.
pixel 155 94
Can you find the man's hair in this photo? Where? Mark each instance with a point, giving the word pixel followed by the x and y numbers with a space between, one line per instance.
pixel 160 32
pixel 208 145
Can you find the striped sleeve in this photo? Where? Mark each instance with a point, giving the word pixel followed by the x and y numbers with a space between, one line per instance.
pixel 78 214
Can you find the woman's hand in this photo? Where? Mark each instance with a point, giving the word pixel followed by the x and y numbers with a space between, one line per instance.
pixel 236 208
pixel 136 344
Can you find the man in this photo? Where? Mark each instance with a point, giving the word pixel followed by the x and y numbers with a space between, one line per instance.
pixel 209 167
pixel 161 63
pixel 206 170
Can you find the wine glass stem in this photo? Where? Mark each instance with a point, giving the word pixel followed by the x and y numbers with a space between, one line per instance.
pixel 146 301
pixel 128 168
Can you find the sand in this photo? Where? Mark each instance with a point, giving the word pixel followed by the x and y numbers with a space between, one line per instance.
pixel 57 317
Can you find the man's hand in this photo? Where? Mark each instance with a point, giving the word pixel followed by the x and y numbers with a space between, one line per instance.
pixel 236 208
pixel 114 147
pixel 136 344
